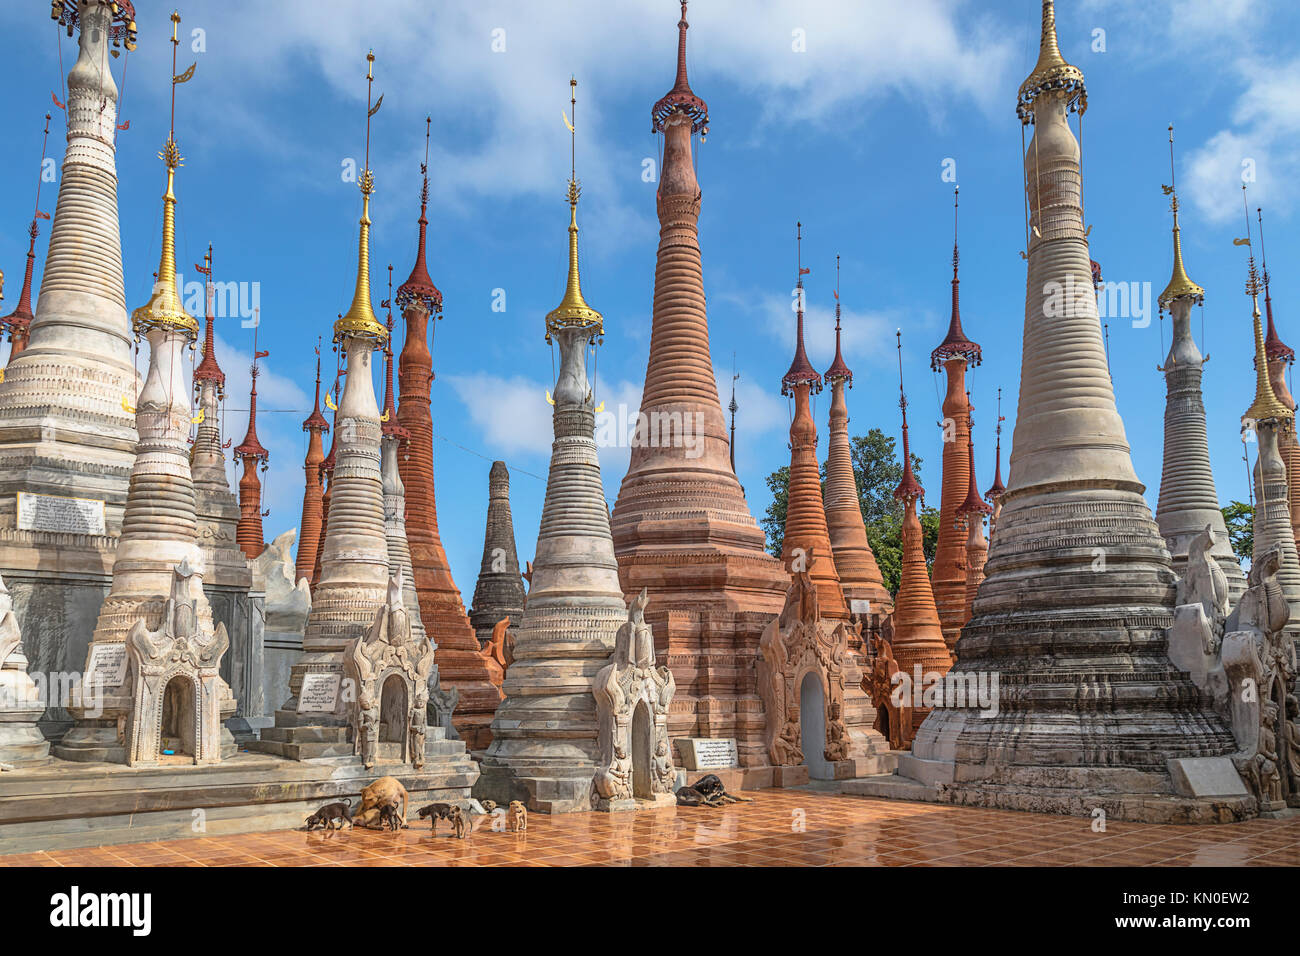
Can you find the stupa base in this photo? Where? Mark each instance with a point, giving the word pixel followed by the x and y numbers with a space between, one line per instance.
pixel 542 789
pixel 21 743
pixel 1197 790
pixel 97 741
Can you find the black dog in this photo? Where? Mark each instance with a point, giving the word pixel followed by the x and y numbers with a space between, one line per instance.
pixel 690 797
pixel 388 814
pixel 435 812
pixel 715 792
pixel 330 814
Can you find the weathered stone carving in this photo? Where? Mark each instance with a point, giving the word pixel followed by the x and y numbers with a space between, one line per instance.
pixel 21 704
pixel 390 666
pixel 1256 689
pixel 632 699
pixel 893 718
pixel 794 645
pixel 178 697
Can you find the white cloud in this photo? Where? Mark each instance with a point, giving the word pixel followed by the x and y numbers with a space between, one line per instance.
pixel 865 337
pixel 511 413
pixel 497 131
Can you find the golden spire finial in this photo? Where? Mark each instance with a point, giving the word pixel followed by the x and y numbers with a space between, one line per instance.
pixel 360 320
pixel 1180 284
pixel 1266 407
pixel 573 311
pixel 1051 72
pixel 164 308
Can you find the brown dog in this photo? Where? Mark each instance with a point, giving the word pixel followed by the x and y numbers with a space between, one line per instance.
pixel 517 816
pixel 459 823
pixel 384 792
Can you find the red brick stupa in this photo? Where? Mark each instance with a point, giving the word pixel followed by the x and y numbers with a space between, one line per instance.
pixel 806 545
pixel 681 525
pixel 19 321
pixel 954 355
pixel 918 637
pixel 441 607
pixel 327 474
pixel 311 528
pixel 972 512
pixel 860 578
pixel 996 490
pixel 248 533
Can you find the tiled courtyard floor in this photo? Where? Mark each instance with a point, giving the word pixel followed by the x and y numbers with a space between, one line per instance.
pixel 780 828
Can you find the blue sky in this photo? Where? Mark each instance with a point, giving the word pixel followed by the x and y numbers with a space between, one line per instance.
pixel 840 114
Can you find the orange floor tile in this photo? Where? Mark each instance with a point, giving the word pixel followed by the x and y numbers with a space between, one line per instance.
pixel 780 828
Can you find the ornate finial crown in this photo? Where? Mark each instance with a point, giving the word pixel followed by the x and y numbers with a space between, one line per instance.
pixel 801 371
pixel 909 489
pixel 164 310
pixel 1051 73
pixel 573 312
pixel 359 322
pixel 121 31
pixel 839 370
pixel 1266 407
pixel 1180 284
pixel 680 99
pixel 955 344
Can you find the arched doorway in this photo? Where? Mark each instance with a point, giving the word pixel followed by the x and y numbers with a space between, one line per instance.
pixel 812 727
pixel 394 715
pixel 178 714
pixel 642 749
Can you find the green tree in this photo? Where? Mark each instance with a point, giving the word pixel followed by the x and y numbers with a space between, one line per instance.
pixel 877 470
pixel 1240 519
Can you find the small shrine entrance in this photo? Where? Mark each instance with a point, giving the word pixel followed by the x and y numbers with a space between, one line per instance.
pixel 642 749
pixel 394 714
pixel 812 727
pixel 178 719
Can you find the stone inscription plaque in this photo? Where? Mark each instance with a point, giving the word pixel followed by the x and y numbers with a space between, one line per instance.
pixel 107 664
pixel 860 606
pixel 708 753
pixel 56 513
pixel 319 694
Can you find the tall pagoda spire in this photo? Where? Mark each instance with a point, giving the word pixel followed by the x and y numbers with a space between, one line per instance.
pixel 65 398
pixel 1273 422
pixel 309 534
pixel 955 354
pixel 215 505
pixel 1188 500
pixel 996 490
pixel 1058 597
pixel 19 321
pixel 918 636
pixel 253 456
pixel 860 577
pixel 972 511
pixel 159 525
pixel 806 544
pixel 327 470
pixel 1280 357
pixel 354 573
pixel 545 734
pixel 499 591
pixel 441 605
pixel 682 527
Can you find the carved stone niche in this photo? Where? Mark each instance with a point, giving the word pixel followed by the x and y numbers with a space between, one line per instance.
pixel 801 681
pixel 635 768
pixel 390 669
pixel 893 710
pixel 1246 664
pixel 179 700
